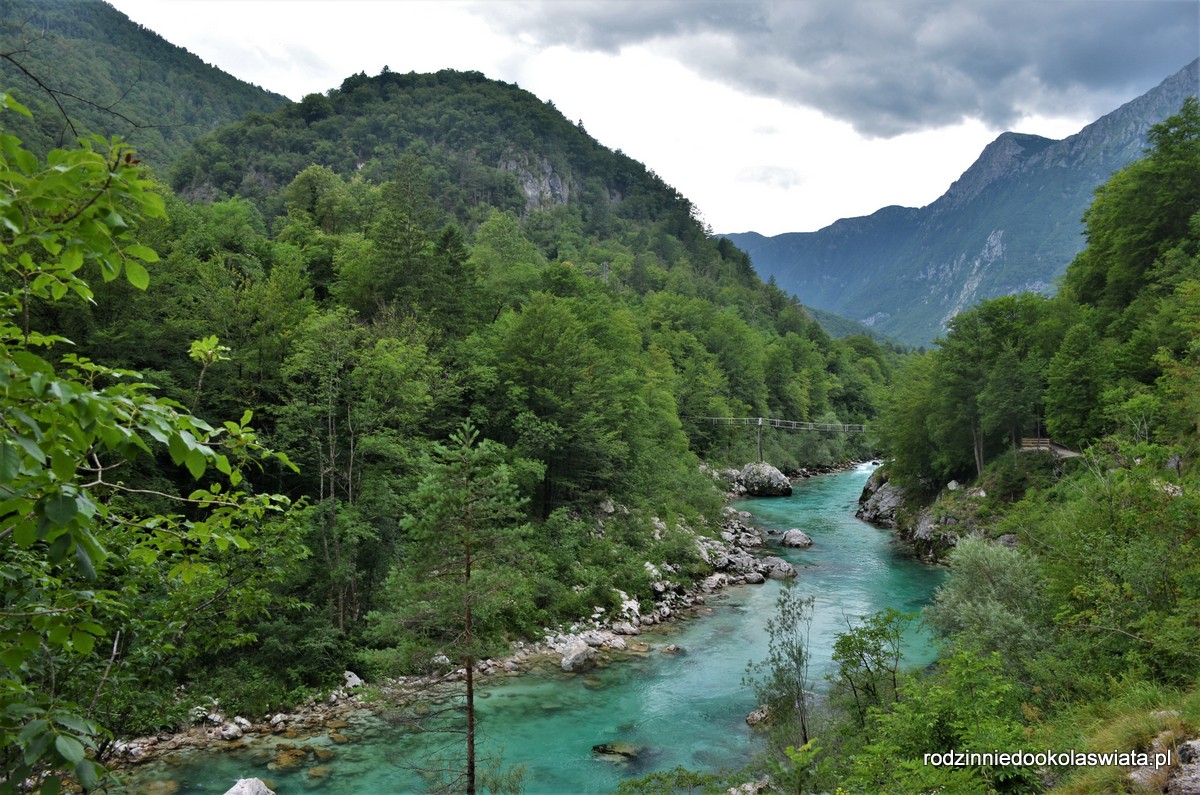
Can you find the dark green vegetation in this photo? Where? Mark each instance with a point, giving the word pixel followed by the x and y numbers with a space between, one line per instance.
pixel 111 575
pixel 393 271
pixel 112 77
pixel 1086 635
pixel 1009 224
pixel 366 272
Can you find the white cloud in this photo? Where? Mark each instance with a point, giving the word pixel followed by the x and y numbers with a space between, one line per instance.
pixel 767 115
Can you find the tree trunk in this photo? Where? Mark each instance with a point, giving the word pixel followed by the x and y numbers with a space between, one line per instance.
pixel 470 678
pixel 977 444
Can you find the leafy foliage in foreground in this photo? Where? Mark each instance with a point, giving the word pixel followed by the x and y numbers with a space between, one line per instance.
pixel 98 590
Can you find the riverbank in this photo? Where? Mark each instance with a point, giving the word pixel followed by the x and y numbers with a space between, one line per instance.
pixel 684 708
pixel 306 736
pixel 598 640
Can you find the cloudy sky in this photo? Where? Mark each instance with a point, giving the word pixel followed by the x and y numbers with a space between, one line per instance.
pixel 770 115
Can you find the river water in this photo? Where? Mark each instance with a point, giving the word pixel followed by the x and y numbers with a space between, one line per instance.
pixel 679 709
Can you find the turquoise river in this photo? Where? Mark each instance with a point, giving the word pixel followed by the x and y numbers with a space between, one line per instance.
pixel 687 709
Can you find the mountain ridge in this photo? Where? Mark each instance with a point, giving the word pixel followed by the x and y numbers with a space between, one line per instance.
pixel 113 76
pixel 1010 223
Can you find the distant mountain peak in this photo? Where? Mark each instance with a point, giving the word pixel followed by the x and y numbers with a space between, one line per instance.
pixel 1010 223
pixel 1001 157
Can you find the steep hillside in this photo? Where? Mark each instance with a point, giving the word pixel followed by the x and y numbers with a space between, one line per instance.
pixel 474 140
pixel 112 76
pixel 1011 223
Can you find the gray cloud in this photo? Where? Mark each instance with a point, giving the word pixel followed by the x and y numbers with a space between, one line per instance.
pixel 893 66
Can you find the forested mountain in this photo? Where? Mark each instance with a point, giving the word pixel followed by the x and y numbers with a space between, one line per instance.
pixel 417 318
pixel 474 141
pixel 1011 223
pixel 112 76
pixel 398 374
pixel 1071 617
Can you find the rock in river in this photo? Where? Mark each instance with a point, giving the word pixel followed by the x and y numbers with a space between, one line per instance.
pixel 796 538
pixel 776 568
pixel 617 752
pixel 250 786
pixel 763 480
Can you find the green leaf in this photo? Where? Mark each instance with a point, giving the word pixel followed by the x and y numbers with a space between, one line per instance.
pixel 52 786
pixel 84 561
pixel 137 274
pixel 72 258
pixel 177 449
pixel 92 627
pixel 12 659
pixel 61 509
pixel 8 103
pixel 195 462
pixel 63 465
pixel 37 743
pixel 58 634
pixel 74 722
pixel 144 253
pixel 33 729
pixel 25 533
pixel 88 773
pixel 83 642
pixel 69 748
pixel 31 448
pixel 10 463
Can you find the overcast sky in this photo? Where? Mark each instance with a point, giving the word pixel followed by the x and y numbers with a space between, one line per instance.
pixel 770 115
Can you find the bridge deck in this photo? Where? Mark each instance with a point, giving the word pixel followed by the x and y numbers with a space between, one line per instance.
pixel 787 425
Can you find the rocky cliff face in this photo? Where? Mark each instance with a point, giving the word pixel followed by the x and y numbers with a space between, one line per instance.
pixel 542 185
pixel 1010 223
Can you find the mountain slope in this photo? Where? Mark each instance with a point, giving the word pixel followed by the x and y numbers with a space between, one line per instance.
pixel 471 139
pixel 1011 223
pixel 113 77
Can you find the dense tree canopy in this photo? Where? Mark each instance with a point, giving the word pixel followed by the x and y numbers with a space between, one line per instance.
pixel 360 307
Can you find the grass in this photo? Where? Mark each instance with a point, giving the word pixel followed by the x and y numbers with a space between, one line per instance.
pixel 1139 717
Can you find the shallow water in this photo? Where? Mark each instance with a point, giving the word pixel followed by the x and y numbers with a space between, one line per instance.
pixel 687 709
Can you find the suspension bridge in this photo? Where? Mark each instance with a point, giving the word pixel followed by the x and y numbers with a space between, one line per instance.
pixel 786 425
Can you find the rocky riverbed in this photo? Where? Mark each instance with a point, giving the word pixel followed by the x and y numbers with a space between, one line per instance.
pixel 310 735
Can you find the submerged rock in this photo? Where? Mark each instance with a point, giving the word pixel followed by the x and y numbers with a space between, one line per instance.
pixel 617 752
pixel 288 758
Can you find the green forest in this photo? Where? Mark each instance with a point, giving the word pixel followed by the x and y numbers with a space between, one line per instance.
pixel 280 404
pixel 226 419
pixel 1082 632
